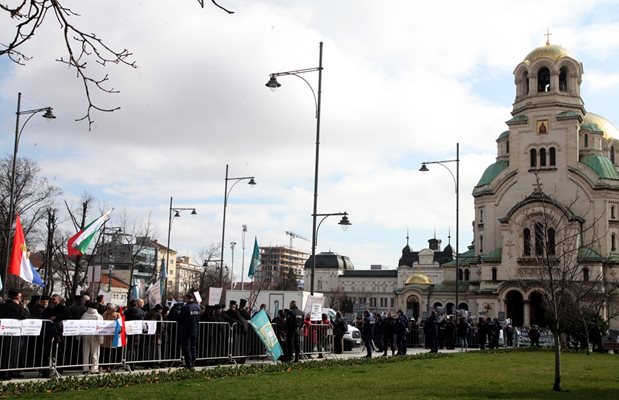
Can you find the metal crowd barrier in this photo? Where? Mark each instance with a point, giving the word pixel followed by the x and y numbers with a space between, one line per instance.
pixel 214 341
pixel 317 340
pixel 26 352
pixel 51 354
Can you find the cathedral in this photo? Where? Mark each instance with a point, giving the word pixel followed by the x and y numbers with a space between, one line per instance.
pixel 551 198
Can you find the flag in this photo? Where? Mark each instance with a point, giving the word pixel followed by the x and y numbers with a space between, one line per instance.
pixel 134 294
pixel 20 263
pixel 262 326
pixel 255 260
pixel 120 335
pixel 77 245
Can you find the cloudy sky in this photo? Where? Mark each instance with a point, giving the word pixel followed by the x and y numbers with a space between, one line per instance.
pixel 403 82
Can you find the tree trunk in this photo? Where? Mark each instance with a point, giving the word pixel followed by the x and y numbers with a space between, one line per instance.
pixel 557 383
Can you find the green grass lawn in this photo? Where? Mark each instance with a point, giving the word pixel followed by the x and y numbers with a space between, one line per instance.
pixel 473 375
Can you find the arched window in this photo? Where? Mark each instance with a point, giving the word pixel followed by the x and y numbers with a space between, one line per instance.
pixel 494 274
pixel 550 243
pixel 539 239
pixel 533 158
pixel 563 79
pixel 613 242
pixel 543 80
pixel 481 243
pixel 526 234
pixel 586 140
pixel 460 274
pixel 552 154
pixel 542 157
pixel 585 274
pixel 526 82
pixel 467 275
pixel 507 146
pixel 612 212
pixel 612 154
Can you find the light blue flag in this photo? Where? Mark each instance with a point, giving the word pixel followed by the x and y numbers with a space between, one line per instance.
pixel 264 330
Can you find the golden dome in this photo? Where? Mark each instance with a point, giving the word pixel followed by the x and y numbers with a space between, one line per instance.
pixel 596 122
pixel 551 51
pixel 418 279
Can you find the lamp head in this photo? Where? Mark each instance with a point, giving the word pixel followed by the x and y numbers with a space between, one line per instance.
pixel 344 222
pixel 251 182
pixel 194 212
pixel 423 168
pixel 49 114
pixel 272 83
pixel 177 214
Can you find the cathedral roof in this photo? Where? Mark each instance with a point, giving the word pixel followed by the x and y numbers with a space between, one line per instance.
pixel 603 167
pixel 418 279
pixel 551 51
pixel 492 171
pixel 597 123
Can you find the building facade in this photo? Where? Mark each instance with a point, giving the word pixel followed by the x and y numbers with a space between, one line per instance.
pixel 553 191
pixel 281 267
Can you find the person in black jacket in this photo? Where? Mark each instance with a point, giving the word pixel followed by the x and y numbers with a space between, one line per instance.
pixel 389 325
pixel 188 325
pixel 294 323
pixel 13 347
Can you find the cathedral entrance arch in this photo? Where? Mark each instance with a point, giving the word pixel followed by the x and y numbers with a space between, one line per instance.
pixel 449 309
pixel 514 305
pixel 538 309
pixel 412 306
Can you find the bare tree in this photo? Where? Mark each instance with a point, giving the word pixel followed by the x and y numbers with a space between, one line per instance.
pixel 81 45
pixel 561 260
pixel 33 196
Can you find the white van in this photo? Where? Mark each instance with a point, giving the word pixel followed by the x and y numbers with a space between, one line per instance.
pixel 352 337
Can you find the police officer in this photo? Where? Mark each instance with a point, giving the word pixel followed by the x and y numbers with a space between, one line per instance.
pixel 294 323
pixel 188 324
pixel 368 332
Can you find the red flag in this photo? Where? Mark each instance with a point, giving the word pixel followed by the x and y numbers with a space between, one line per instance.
pixel 72 251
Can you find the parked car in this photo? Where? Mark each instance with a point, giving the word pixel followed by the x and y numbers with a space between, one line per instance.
pixel 352 337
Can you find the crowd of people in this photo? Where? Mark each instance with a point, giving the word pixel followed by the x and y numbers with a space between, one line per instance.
pixel 298 335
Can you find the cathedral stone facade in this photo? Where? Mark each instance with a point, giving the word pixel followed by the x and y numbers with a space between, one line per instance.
pixel 555 177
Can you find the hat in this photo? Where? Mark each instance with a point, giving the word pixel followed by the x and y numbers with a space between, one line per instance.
pixel 13 293
pixel 44 298
pixel 233 302
pixel 243 302
pixel 158 307
pixel 217 307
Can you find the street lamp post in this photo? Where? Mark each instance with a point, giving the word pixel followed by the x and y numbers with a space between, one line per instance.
pixel 48 114
pixel 232 244
pixel 273 84
pixel 227 191
pixel 177 213
pixel 344 223
pixel 244 231
pixel 456 180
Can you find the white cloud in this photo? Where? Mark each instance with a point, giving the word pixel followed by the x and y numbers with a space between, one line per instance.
pixel 403 82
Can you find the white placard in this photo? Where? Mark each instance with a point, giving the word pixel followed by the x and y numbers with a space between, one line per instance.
pixel 214 296
pixel 313 306
pixel 10 327
pixel 154 294
pixel 76 327
pixel 140 327
pixel 31 327
pixel 106 328
pixel 197 297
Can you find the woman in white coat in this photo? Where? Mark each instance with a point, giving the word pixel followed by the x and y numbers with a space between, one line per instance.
pixel 91 344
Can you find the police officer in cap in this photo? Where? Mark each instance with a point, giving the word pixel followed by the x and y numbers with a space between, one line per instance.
pixel 188 323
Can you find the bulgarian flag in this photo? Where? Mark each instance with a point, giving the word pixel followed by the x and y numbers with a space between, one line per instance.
pixel 77 245
pixel 20 262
